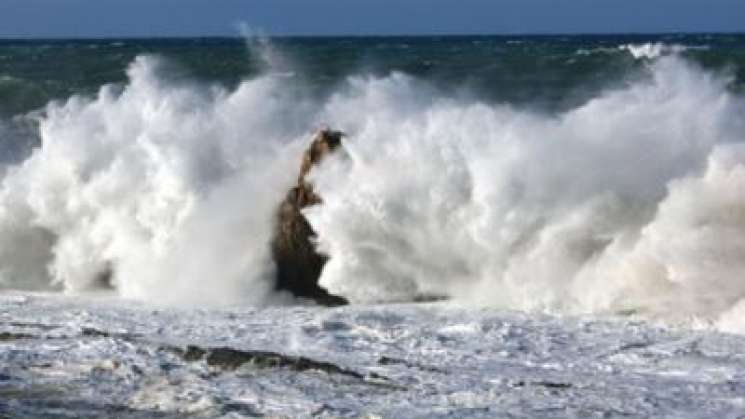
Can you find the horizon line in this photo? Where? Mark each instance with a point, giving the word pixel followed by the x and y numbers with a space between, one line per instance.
pixel 330 36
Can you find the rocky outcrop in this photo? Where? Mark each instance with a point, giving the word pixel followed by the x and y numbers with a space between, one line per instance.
pixel 298 263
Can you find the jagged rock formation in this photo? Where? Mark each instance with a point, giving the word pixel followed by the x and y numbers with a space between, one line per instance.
pixel 221 358
pixel 298 263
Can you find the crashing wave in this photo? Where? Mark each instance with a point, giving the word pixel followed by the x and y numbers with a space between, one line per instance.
pixel 628 202
pixel 656 50
pixel 647 51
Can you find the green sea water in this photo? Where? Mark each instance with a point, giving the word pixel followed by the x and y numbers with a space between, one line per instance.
pixel 549 72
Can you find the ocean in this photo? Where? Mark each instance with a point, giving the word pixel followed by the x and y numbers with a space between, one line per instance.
pixel 577 201
pixel 550 72
pixel 560 173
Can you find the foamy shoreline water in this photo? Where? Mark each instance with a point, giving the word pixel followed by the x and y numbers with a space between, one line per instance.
pixel 103 356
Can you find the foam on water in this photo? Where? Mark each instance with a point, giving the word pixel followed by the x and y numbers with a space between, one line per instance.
pixel 649 50
pixel 652 50
pixel 171 185
pixel 628 202
pixel 621 204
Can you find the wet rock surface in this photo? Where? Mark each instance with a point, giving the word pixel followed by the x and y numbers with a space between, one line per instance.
pixel 7 336
pixel 230 359
pixel 298 263
pixel 222 358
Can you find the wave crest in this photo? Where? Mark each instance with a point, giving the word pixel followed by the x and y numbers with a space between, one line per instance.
pixel 494 205
pixel 628 202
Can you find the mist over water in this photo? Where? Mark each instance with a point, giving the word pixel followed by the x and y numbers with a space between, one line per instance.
pixel 630 200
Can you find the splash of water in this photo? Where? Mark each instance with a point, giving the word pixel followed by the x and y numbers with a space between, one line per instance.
pixel 628 202
pixel 172 186
pixel 652 50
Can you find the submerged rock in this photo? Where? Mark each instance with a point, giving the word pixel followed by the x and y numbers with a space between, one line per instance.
pixel 298 263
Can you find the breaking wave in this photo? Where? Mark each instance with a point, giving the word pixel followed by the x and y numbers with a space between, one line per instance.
pixel 652 50
pixel 169 185
pixel 630 202
pixel 626 203
pixel 649 50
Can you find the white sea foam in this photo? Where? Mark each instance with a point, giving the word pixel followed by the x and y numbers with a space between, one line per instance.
pixel 650 50
pixel 626 203
pixel 629 202
pixel 656 49
pixel 171 185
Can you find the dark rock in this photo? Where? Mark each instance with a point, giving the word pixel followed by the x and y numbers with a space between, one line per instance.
pixel 230 359
pixel 90 332
pixel 298 264
pixel 9 336
pixel 387 360
pixel 546 384
pixel 553 385
pixel 193 353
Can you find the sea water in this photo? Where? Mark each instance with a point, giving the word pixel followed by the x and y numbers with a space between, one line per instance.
pixel 573 174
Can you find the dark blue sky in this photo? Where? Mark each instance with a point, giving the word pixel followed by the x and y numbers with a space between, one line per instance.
pixel 112 18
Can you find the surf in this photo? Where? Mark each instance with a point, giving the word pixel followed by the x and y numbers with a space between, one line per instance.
pixel 626 202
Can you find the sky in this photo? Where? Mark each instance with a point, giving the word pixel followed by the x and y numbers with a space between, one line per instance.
pixel 146 18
